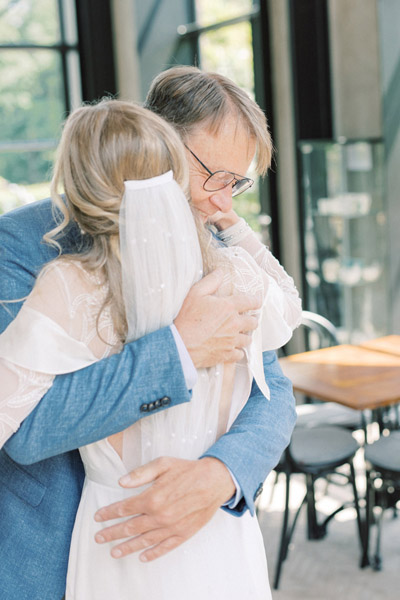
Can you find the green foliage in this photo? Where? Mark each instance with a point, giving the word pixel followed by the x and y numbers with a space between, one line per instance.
pixel 229 51
pixel 214 11
pixel 13 195
pixel 29 21
pixel 31 96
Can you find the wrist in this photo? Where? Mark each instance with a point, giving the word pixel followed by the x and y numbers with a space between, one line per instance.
pixel 217 471
pixel 235 233
pixel 227 221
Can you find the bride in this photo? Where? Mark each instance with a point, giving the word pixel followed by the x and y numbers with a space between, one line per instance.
pixel 124 174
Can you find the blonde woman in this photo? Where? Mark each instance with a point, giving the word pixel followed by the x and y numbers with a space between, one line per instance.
pixel 124 173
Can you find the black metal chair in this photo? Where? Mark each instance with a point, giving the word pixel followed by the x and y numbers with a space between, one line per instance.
pixel 321 442
pixel 383 488
pixel 315 452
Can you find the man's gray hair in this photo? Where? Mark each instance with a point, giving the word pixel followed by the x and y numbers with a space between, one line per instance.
pixel 188 97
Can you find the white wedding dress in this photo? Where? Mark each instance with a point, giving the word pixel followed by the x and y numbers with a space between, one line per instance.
pixel 225 559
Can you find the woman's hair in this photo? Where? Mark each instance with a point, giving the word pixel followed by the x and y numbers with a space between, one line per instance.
pixel 103 145
pixel 188 97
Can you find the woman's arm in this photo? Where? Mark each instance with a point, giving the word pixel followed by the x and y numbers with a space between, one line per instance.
pixel 282 293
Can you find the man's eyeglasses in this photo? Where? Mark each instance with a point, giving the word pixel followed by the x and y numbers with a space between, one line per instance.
pixel 221 179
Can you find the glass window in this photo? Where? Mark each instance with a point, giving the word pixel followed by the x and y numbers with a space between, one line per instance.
pixel 211 11
pixel 229 51
pixel 226 46
pixel 39 83
pixel 344 235
pixel 29 22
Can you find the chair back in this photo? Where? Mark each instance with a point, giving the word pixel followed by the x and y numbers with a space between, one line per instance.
pixel 321 332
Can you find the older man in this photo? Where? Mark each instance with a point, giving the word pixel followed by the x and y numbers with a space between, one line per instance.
pixel 40 470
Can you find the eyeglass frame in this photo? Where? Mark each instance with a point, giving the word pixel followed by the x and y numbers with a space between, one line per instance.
pixel 235 177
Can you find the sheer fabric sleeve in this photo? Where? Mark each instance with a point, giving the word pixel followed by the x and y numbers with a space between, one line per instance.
pixel 54 332
pixel 21 389
pixel 281 312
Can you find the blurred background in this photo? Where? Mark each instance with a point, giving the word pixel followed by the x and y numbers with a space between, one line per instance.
pixel 327 74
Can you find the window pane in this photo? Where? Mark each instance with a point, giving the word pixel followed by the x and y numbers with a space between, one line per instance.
pixel 213 11
pixel 229 51
pixel 31 110
pixel 29 22
pixel 31 94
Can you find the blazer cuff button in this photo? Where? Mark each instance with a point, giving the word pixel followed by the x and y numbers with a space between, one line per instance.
pixel 165 401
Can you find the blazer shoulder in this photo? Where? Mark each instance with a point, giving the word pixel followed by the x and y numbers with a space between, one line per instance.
pixel 31 219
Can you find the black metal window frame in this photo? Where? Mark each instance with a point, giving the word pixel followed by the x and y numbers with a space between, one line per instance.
pixel 63 48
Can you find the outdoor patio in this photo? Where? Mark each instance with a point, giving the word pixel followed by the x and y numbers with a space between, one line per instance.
pixel 328 569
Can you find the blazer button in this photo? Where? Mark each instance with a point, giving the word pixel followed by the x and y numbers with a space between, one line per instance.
pixel 165 401
pixel 157 403
pixel 258 491
pixel 151 406
pixel 144 408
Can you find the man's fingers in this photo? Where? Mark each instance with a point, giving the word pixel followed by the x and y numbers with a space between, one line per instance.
pixel 162 548
pixel 129 528
pixel 124 508
pixel 243 303
pixel 248 323
pixel 140 542
pixel 144 474
pixel 181 532
pixel 209 284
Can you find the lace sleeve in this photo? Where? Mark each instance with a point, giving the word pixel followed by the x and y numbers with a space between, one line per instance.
pixel 21 390
pixel 54 332
pixel 282 291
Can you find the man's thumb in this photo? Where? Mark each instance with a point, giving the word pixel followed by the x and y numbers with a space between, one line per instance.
pixel 209 284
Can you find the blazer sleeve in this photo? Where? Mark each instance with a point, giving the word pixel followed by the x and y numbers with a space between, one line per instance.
pixel 259 435
pixel 100 400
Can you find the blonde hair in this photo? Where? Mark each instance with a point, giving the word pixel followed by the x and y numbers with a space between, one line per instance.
pixel 103 145
pixel 188 97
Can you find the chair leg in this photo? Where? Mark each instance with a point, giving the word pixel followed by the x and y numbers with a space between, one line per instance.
pixel 377 558
pixel 364 427
pixel 271 496
pixel 287 533
pixel 369 504
pixel 315 531
pixel 360 526
pixel 283 543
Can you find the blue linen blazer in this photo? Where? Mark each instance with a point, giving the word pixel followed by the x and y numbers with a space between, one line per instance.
pixel 41 474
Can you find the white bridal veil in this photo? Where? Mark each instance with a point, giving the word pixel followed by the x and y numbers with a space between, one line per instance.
pixel 160 252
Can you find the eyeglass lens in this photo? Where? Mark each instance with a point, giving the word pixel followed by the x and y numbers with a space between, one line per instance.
pixel 241 186
pixel 221 179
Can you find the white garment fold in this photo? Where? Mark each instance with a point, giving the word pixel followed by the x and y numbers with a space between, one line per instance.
pixel 36 342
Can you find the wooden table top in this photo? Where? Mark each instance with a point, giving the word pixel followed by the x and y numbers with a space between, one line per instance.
pixel 364 376
pixel 389 344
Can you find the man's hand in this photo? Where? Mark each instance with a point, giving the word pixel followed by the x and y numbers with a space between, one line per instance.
pixel 215 329
pixel 223 220
pixel 183 496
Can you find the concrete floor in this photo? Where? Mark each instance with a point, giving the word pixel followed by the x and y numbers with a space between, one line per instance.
pixel 328 569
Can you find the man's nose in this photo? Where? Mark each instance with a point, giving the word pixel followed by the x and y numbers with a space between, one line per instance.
pixel 222 200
